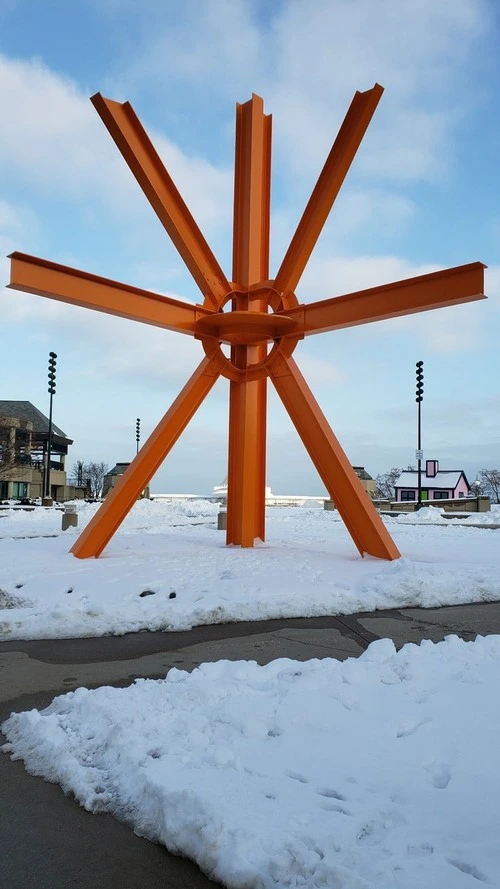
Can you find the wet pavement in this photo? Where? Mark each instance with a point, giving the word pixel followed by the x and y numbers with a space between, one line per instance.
pixel 47 840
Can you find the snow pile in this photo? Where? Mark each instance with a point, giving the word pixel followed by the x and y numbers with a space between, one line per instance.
pixel 375 772
pixel 168 569
pixel 492 517
pixel 426 515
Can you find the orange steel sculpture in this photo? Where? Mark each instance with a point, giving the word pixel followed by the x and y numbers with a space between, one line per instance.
pixel 262 327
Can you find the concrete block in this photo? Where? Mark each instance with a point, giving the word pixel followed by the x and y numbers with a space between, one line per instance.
pixel 69 517
pixel 222 520
pixel 329 504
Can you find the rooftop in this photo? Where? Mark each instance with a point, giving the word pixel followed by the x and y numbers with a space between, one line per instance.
pixel 25 410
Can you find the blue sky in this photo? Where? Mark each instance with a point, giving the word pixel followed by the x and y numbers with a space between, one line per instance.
pixel 423 194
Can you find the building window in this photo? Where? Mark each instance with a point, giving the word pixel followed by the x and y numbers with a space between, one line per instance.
pixel 4 490
pixel 407 495
pixel 19 489
pixel 461 494
pixel 441 495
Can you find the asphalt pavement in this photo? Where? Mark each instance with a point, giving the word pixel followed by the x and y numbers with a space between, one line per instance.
pixel 47 841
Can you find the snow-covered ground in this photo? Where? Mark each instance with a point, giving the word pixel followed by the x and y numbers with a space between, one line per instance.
pixel 380 771
pixel 168 569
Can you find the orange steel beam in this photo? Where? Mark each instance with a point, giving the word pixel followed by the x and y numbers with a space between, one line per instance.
pixel 327 187
pixel 451 287
pixel 357 510
pixel 138 151
pixel 248 400
pixel 121 499
pixel 59 282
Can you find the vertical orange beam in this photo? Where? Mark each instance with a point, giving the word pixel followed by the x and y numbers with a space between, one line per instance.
pixel 357 510
pixel 248 400
pixel 121 499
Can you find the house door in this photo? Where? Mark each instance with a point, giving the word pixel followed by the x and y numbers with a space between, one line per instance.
pixel 425 494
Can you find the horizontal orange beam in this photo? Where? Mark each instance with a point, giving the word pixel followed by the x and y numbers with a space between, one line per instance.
pixel 145 163
pixel 451 287
pixel 60 282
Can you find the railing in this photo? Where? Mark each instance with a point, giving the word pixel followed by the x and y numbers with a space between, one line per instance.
pixel 18 460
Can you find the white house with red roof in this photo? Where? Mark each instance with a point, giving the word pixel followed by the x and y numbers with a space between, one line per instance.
pixel 436 484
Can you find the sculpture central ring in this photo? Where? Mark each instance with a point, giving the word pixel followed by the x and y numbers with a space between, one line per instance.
pixel 245 326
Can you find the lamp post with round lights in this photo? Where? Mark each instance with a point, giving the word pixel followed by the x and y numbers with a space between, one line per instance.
pixel 137 433
pixel 52 389
pixel 419 453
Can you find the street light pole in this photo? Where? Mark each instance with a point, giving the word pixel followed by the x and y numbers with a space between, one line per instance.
pixel 419 453
pixel 137 433
pixel 52 389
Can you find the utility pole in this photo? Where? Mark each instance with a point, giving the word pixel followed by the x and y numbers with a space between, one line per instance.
pixel 419 453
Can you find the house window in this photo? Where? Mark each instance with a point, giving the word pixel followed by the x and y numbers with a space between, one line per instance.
pixel 441 495
pixel 4 490
pixel 407 495
pixel 19 489
pixel 461 494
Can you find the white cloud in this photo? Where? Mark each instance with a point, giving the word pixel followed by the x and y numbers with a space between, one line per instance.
pixel 388 212
pixel 319 372
pixel 16 222
pixel 205 43
pixel 418 51
pixel 307 59
pixel 327 277
pixel 56 144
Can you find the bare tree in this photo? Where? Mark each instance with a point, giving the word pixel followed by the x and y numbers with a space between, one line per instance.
pixel 91 475
pixel 386 481
pixel 489 481
pixel 477 488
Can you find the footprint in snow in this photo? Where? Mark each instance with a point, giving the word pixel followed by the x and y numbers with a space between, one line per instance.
pixel 296 776
pixel 410 728
pixel 332 794
pixel 440 774
pixel 330 807
pixel 470 869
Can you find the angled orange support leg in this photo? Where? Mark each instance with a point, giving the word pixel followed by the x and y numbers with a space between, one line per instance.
pixel 320 203
pixel 357 510
pixel 121 499
pixel 140 154
pixel 247 399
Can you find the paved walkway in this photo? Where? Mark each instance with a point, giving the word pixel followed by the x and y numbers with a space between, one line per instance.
pixel 48 841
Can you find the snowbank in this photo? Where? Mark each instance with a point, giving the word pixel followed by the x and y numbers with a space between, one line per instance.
pixel 380 771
